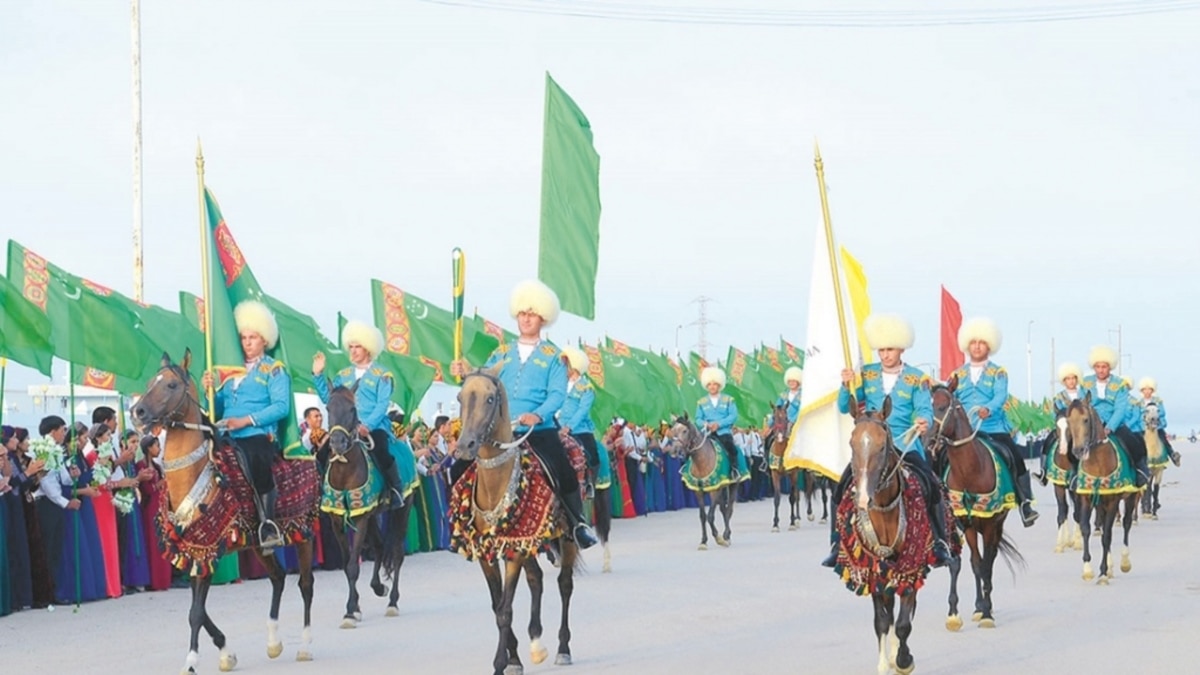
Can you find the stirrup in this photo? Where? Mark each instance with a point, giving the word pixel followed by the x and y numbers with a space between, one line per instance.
pixel 941 553
pixel 553 554
pixel 584 536
pixel 589 491
pixel 1028 515
pixel 831 559
pixel 269 543
pixel 1175 458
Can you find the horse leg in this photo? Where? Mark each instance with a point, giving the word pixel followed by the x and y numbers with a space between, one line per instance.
pixel 1064 530
pixel 604 523
pixel 304 554
pixel 506 661
pixel 566 586
pixel 883 628
pixel 1077 531
pixel 971 534
pixel 904 661
pixel 196 618
pixel 393 552
pixel 825 499
pixel 277 575
pixel 1127 523
pixel 353 566
pixel 775 483
pixel 1085 520
pixel 1108 511
pixel 533 577
pixel 719 500
pixel 727 513
pixel 990 532
pixel 953 620
pixel 703 521
pixel 794 501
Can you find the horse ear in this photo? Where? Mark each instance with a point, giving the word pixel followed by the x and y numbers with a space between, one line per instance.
pixel 853 407
pixel 187 360
pixel 887 406
pixel 354 387
pixel 953 383
pixel 494 371
pixel 1087 398
pixel 166 360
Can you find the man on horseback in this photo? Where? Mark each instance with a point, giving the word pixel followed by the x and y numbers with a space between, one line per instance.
pixel 716 414
pixel 1110 398
pixel 575 418
pixel 535 379
pixel 251 405
pixel 983 391
pixel 1137 410
pixel 908 388
pixel 372 396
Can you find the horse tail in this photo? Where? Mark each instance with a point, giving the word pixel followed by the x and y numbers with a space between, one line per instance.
pixel 394 527
pixel 1008 551
pixel 602 510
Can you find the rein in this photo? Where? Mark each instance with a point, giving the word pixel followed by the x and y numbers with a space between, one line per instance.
pixel 493 415
pixel 885 476
pixel 369 443
pixel 939 425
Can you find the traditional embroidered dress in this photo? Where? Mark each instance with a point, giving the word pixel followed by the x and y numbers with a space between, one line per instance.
pixel 80 575
pixel 153 492
pixel 106 520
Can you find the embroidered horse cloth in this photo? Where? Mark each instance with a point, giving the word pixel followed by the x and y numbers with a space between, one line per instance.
pixel 1001 498
pixel 715 480
pixel 522 523
pixel 1119 481
pixel 355 501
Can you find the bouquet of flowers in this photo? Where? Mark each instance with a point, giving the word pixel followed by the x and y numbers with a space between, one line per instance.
pixel 123 500
pixel 50 453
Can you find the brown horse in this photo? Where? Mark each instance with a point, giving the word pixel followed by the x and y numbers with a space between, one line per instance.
pixel 1104 482
pixel 703 476
pixel 875 508
pixel 512 514
pixel 211 510
pixel 776 446
pixel 1058 467
pixel 970 470
pixel 353 499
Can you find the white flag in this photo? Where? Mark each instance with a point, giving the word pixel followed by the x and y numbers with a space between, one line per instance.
pixel 821 436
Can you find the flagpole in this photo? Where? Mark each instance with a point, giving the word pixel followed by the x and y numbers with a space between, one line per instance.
pixel 136 30
pixel 208 351
pixel 3 376
pixel 833 264
pixel 459 269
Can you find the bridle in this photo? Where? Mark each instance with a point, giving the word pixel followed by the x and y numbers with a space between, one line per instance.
pixel 352 437
pixel 173 418
pixel 891 456
pixel 941 440
pixel 493 413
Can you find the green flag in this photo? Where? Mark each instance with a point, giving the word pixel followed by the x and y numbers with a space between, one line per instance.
pixel 170 332
pixel 412 377
pixel 88 328
pixel 24 330
pixel 304 340
pixel 660 381
pixel 569 243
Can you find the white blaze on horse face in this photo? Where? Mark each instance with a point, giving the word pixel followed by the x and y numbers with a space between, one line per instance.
pixel 863 498
pixel 1061 423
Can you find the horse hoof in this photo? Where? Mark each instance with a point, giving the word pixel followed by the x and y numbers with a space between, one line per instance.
pixel 987 623
pixel 379 589
pixel 1058 549
pixel 358 616
pixel 977 617
pixel 273 651
pixel 227 662
pixel 793 526
pixel 702 547
pixel 775 529
pixel 303 656
pixel 954 622
pixel 562 660
pixel 1102 581
pixel 392 611
pixel 514 669
pixel 537 653
pixel 349 622
pixel 722 542
pixel 811 517
pixel 908 670
pixel 1126 566
pixel 824 521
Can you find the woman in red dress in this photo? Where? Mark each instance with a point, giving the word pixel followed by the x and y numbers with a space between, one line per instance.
pixel 101 457
pixel 153 492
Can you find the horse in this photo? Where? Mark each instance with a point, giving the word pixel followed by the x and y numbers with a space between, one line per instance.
pixel 980 499
pixel 814 481
pixel 1058 468
pixel 503 513
pixel 776 446
pixel 1105 481
pixel 1156 460
pixel 886 540
pixel 705 471
pixel 352 495
pixel 210 508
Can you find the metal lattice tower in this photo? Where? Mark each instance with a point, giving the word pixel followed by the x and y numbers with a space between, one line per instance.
pixel 702 323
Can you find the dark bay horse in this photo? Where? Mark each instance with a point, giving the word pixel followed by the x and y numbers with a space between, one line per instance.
pixel 352 496
pixel 813 481
pixel 210 510
pixel 703 475
pixel 510 514
pixel 776 447
pixel 977 498
pixel 1104 482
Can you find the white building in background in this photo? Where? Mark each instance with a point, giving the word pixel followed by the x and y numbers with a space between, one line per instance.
pixel 56 399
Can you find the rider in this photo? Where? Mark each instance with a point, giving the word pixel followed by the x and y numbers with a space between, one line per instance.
pixel 983 391
pixel 1137 409
pixel 791 396
pixel 1069 374
pixel 1110 398
pixel 535 379
pixel 250 407
pixel 908 388
pixel 371 399
pixel 575 417
pixel 716 413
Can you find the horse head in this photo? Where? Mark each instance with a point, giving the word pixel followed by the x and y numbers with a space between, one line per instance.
pixel 871 451
pixel 950 420
pixel 1151 417
pixel 1085 429
pixel 1062 429
pixel 688 438
pixel 170 398
pixel 483 409
pixel 343 422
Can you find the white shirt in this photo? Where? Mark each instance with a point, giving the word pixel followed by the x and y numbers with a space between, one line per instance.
pixel 1101 387
pixel 630 443
pixel 525 350
pixel 739 441
pixel 976 372
pixel 792 395
pixel 1073 394
pixel 889 381
pixel 51 484
pixel 715 400
pixel 755 444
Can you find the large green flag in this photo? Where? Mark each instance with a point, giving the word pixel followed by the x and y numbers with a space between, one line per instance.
pixel 24 330
pixel 569 243
pixel 415 328
pixel 412 377
pixel 88 328
pixel 170 332
pixel 304 340
pixel 230 282
pixel 659 377
pixel 790 354
pixel 621 390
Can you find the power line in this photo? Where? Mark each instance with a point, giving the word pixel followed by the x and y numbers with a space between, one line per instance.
pixel 837 18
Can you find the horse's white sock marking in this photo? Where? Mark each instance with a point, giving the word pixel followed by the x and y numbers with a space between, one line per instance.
pixel 193 658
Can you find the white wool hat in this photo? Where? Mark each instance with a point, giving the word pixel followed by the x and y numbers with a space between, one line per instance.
pixel 712 374
pixel 1068 369
pixel 363 334
pixel 793 373
pixel 576 359
pixel 888 331
pixel 252 316
pixel 532 295
pixel 1102 354
pixel 979 328
pixel 1147 382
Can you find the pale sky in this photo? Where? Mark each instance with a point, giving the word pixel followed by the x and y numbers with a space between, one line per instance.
pixel 1043 172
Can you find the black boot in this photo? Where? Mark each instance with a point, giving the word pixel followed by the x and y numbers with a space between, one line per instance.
pixel 395 489
pixel 937 524
pixel 1142 473
pixel 269 536
pixel 1175 457
pixel 581 532
pixel 834 544
pixel 1025 495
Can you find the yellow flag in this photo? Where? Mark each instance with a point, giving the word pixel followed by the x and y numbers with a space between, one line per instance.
pixel 856 285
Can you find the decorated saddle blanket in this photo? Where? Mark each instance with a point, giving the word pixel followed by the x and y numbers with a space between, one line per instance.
pixel 604 468
pixel 1002 497
pixel 905 569
pixel 716 479
pixel 219 515
pixel 356 501
pixel 578 458
pixel 521 524
pixel 1156 453
pixel 1122 479
pixel 1055 473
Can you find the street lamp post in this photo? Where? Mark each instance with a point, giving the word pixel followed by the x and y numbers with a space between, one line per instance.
pixel 677 329
pixel 1029 362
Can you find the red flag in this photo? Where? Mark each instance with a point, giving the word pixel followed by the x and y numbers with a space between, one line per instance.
pixel 952 356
